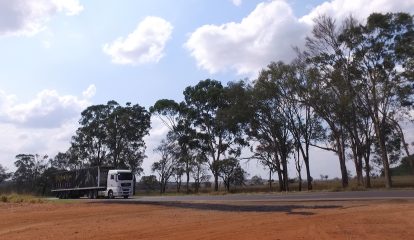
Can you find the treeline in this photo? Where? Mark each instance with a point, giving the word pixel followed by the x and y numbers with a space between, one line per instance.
pixel 347 92
pixel 109 135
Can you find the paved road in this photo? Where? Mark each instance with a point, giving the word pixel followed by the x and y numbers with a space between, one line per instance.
pixel 283 197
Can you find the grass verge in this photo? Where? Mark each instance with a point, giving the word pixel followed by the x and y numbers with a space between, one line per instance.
pixel 20 198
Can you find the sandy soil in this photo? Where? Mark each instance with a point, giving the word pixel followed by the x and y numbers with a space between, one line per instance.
pixel 254 220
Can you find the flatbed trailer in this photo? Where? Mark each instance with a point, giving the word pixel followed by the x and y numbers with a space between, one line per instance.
pixel 93 182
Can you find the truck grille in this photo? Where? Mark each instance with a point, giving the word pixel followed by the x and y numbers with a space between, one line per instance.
pixel 125 184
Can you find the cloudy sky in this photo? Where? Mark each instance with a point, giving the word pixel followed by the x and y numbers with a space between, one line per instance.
pixel 60 56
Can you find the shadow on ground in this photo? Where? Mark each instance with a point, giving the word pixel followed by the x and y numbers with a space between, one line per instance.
pixel 289 209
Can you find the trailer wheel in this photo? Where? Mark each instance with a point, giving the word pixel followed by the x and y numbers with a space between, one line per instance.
pixel 92 194
pixel 110 194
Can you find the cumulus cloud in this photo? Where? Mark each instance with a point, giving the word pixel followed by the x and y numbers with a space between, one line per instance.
pixel 28 17
pixel 48 109
pixel 270 32
pixel 89 92
pixel 144 45
pixel 247 46
pixel 236 2
pixel 360 9
pixel 42 125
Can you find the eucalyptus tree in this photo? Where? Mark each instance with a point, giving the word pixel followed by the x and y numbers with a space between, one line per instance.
pixel 4 175
pixel 168 149
pixel 89 139
pixel 30 168
pixel 175 117
pixel 330 91
pixel 199 171
pixel 303 122
pixel 231 172
pixel 215 120
pixel 269 126
pixel 384 53
pixel 112 135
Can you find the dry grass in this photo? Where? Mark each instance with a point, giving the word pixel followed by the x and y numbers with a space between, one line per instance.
pixel 20 198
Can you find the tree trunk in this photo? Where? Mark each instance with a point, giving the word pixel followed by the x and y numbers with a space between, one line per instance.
pixel 344 172
pixel 285 175
pixel 281 183
pixel 216 187
pixel 270 180
pixel 358 165
pixel 188 181
pixel 308 176
pixel 299 168
pixel 367 173
pixel 384 156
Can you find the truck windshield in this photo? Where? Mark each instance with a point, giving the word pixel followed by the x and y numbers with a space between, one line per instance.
pixel 124 176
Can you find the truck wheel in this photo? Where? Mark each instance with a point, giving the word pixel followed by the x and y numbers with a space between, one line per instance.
pixel 93 194
pixel 126 196
pixel 110 194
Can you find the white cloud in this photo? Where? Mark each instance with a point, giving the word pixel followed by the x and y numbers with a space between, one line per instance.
pixel 47 110
pixel 144 45
pixel 236 2
pixel 70 7
pixel 266 34
pixel 270 32
pixel 360 9
pixel 28 17
pixel 43 125
pixel 89 92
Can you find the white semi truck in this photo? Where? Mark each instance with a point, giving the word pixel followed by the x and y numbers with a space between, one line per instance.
pixel 94 182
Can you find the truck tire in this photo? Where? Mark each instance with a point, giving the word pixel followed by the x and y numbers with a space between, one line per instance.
pixel 92 194
pixel 110 194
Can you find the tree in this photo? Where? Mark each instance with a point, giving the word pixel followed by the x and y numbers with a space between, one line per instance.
pixel 198 171
pixel 112 135
pixel 178 172
pixel 268 125
pixel 165 166
pixel 231 172
pixel 3 174
pixel 384 52
pixel 30 168
pixel 328 91
pixel 89 141
pixel 149 182
pixel 175 117
pixel 61 161
pixel 256 180
pixel 218 130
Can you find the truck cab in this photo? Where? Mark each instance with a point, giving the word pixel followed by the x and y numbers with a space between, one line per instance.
pixel 119 184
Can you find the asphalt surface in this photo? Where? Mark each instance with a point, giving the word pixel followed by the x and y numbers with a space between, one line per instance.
pixel 281 197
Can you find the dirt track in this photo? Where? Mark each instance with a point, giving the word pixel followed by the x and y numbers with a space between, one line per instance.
pixel 254 220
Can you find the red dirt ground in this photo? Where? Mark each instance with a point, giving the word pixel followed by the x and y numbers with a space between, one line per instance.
pixel 254 220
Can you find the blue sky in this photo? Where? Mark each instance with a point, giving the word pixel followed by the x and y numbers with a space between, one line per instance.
pixel 54 63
